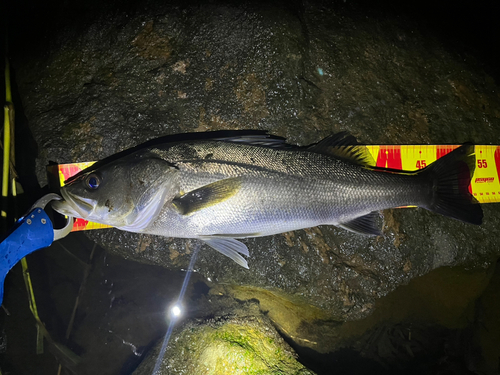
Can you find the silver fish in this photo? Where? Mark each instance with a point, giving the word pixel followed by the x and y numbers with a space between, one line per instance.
pixel 220 190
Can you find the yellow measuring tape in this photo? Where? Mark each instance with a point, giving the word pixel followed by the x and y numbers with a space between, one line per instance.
pixel 485 183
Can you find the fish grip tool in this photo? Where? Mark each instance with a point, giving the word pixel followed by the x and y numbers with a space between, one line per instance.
pixel 33 231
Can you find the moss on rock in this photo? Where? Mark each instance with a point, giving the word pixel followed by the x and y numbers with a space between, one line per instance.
pixel 240 342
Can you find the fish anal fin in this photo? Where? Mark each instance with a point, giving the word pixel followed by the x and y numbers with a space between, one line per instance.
pixel 363 225
pixel 344 146
pixel 207 195
pixel 229 247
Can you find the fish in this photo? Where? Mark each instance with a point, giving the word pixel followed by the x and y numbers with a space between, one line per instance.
pixel 223 189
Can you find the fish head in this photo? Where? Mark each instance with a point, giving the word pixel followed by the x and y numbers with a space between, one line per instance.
pixel 127 193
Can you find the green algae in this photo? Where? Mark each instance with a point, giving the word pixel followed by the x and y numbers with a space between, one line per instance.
pixel 239 343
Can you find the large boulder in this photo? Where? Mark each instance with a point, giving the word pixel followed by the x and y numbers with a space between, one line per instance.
pixel 240 342
pixel 301 72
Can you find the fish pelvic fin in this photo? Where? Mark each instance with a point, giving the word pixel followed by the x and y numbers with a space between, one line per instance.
pixel 207 195
pixel 451 176
pixel 363 225
pixel 229 247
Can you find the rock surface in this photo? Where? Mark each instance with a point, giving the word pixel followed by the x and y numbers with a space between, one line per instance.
pixel 242 341
pixel 298 71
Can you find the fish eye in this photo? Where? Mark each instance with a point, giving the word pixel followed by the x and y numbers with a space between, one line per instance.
pixel 92 181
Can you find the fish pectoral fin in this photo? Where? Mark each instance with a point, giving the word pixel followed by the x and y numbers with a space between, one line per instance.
pixel 363 225
pixel 229 247
pixel 207 195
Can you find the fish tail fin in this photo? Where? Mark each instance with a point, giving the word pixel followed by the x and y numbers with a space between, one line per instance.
pixel 451 176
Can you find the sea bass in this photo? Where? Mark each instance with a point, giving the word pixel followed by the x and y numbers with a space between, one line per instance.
pixel 224 189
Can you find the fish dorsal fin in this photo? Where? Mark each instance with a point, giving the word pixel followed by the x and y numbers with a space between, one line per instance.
pixel 265 140
pixel 363 225
pixel 344 146
pixel 229 247
pixel 207 195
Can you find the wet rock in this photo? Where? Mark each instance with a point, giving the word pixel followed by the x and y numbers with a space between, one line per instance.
pixel 299 71
pixel 427 326
pixel 241 341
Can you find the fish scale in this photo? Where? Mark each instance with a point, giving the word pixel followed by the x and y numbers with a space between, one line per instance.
pixel 338 191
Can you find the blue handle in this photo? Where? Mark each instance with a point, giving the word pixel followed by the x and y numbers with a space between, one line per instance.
pixel 33 232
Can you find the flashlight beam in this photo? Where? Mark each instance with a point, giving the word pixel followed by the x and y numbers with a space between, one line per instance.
pixel 166 339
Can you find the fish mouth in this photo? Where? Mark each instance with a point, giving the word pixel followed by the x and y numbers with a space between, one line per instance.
pixel 73 205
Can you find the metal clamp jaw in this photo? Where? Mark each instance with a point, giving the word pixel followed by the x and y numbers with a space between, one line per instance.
pixel 41 203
